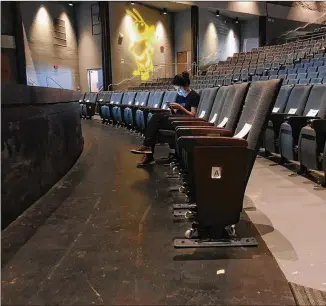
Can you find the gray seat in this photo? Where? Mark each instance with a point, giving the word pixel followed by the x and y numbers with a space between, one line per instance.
pixel 290 130
pixel 234 154
pixel 117 110
pixel 206 102
pixel 294 99
pixel 313 136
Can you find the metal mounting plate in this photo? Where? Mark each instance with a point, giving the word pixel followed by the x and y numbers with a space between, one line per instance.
pixel 213 243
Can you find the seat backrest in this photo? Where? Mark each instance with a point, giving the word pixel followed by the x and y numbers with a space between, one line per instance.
pixel 218 104
pixel 232 106
pixel 258 101
pixel 297 99
pixel 82 97
pixel 316 81
pixel 316 103
pixel 253 121
pixel 128 98
pixel 116 98
pixel 169 96
pixel 282 98
pixel 104 96
pixel 206 102
pixel 90 97
pixel 155 99
pixel 141 98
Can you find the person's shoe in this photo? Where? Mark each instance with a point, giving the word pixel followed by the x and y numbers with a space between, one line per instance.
pixel 146 161
pixel 142 150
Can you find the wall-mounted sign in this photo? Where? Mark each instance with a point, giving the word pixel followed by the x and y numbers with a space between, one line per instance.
pixel 141 46
pixel 56 67
pixel 162 49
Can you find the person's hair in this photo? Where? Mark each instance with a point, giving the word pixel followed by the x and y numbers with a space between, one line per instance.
pixel 182 79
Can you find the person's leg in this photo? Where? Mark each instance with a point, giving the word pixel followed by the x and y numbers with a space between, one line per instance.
pixel 157 122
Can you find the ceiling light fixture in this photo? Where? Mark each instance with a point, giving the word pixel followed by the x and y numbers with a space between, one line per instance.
pixel 237 20
pixel 217 13
pixel 71 4
pixel 132 3
pixel 165 11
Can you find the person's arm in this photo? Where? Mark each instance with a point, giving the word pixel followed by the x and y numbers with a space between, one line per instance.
pixel 177 106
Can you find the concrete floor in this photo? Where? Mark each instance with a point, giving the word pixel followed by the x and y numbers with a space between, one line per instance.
pixel 104 236
pixel 293 209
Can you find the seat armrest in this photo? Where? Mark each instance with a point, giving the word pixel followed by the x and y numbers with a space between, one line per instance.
pixel 177 124
pixel 203 131
pixel 189 142
pixel 185 118
pixel 159 110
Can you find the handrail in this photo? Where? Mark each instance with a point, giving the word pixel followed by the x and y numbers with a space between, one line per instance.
pixel 47 84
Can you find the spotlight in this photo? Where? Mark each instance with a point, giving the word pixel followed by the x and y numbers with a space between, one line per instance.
pixel 132 3
pixel 165 11
pixel 237 20
pixel 217 13
pixel 71 4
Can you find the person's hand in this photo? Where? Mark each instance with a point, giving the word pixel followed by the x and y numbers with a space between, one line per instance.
pixel 175 106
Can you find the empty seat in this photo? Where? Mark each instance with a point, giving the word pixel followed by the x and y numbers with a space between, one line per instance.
pixel 115 99
pixel 304 81
pixel 127 99
pixel 129 112
pixel 295 98
pixel 292 71
pixel 293 81
pixel 292 76
pixel 272 72
pixel 316 80
pixel 301 70
pixel 322 69
pixel 290 130
pixel 273 77
pixel 264 78
pixel 154 101
pixel 312 69
pixel 313 75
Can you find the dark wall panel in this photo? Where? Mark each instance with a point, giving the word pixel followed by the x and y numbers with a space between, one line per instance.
pixel 41 140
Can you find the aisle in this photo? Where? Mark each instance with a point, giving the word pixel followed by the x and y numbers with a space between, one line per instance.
pixel 109 241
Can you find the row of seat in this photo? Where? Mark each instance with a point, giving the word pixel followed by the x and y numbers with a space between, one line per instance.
pixel 214 142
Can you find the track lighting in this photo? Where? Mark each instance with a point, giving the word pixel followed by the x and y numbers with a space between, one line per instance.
pixel 217 13
pixel 132 3
pixel 165 11
pixel 71 4
pixel 237 20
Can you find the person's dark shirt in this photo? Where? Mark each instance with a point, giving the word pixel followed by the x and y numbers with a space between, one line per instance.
pixel 191 100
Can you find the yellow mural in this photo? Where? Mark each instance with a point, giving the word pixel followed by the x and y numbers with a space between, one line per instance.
pixel 141 37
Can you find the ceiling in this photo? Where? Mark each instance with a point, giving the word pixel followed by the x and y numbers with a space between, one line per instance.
pixel 171 6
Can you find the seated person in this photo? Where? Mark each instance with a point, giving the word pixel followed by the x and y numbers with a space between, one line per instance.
pixel 187 104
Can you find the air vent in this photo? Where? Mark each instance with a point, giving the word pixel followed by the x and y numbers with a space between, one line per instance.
pixel 96 24
pixel 60 38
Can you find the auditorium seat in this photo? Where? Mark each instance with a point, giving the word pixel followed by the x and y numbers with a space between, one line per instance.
pixel 313 136
pixel 293 81
pixel 88 105
pixel 129 112
pixel 207 98
pixel 117 110
pixel 304 81
pixel 169 97
pixel 154 101
pixel 316 81
pixel 220 167
pixel 294 99
pixel 225 113
pixel 105 109
pixel 290 130
pixel 102 98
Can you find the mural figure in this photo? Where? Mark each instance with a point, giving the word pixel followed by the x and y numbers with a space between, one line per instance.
pixel 141 44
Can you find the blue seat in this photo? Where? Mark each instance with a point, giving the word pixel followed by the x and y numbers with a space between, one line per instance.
pixel 273 77
pixel 129 113
pixel 154 101
pixel 293 81
pixel 128 99
pixel 264 78
pixel 255 78
pixel 308 65
pixel 302 76
pixel 316 81
pixel 318 63
pixel 304 81
pixel 322 75
pixel 292 71
pixel 300 65
pixel 292 76
pixel 322 69
pixel 301 70
pixel 313 75
pixel 312 69
pixel 272 72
